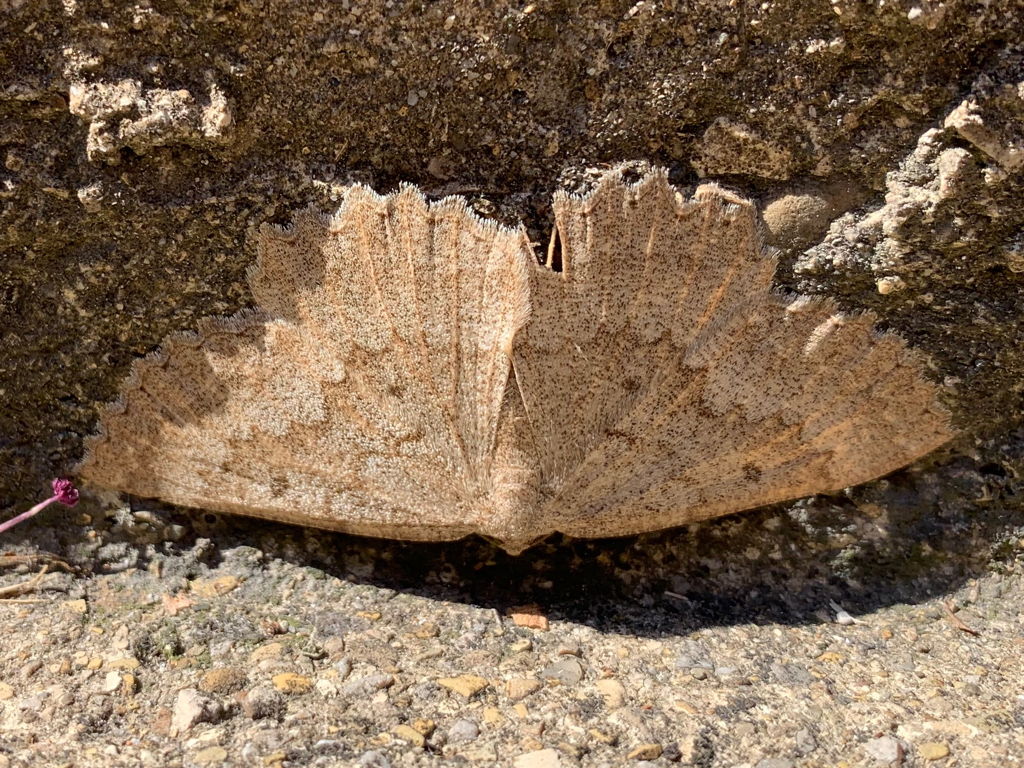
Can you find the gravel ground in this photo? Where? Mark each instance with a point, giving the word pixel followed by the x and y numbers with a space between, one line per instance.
pixel 803 635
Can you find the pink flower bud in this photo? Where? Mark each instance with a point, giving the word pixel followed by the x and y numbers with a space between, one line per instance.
pixel 65 492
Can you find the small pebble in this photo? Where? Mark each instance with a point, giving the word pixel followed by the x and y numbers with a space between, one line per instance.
pixel 211 756
pixel 805 743
pixel 111 682
pixel 743 730
pixel 373 759
pixel 885 750
pixel 645 752
pixel 520 688
pixel 76 606
pixel 364 686
pixel 129 684
pixel 289 682
pixel 343 667
pixel 410 734
pixel 264 652
pixel 127 663
pixel 933 750
pixel 326 688
pixel 210 588
pixel 890 284
pixel 262 701
pixel 427 630
pixel 190 708
pixel 222 680
pixel 842 616
pixel 540 758
pixel 612 691
pixel 673 753
pixel 463 730
pixel 567 671
pixel 333 646
pixel 529 616
pixel 466 685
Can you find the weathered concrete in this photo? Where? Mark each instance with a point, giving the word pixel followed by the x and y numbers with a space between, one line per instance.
pixel 143 143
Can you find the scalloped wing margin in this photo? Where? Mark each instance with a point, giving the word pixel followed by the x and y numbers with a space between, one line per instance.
pixel 364 395
pixel 658 380
pixel 666 383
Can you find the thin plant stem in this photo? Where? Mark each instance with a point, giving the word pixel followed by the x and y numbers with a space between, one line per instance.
pixel 26 515
pixel 64 491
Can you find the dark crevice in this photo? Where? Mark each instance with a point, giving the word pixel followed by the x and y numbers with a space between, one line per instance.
pixel 554 257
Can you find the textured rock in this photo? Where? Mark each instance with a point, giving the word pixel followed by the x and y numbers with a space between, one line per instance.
pixel 262 701
pixel 291 683
pixel 612 691
pixel 885 750
pixel 519 688
pixel 222 680
pixel 463 730
pixel 190 708
pixel 382 93
pixel 730 148
pixel 211 755
pixel 464 685
pixel 541 758
pixel 933 750
pixel 410 734
pixel 567 671
pixel 122 115
pixel 645 752
pixel 366 685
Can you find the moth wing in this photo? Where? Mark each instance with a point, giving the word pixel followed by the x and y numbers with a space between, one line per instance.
pixel 665 383
pixel 363 394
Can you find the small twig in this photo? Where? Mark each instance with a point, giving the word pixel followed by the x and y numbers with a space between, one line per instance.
pixel 15 590
pixel 23 600
pixel 11 560
pixel 957 622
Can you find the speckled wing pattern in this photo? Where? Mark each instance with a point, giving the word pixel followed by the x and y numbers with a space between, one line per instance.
pixel 667 383
pixel 363 395
pixel 412 372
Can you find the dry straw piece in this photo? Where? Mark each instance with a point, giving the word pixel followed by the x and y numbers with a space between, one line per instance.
pixel 412 372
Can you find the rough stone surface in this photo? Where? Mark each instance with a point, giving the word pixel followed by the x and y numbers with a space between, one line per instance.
pixel 885 750
pixel 463 730
pixel 190 708
pixel 140 146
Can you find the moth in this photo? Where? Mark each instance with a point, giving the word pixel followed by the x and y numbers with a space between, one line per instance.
pixel 412 371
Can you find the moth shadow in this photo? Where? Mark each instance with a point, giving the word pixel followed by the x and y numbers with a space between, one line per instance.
pixel 902 540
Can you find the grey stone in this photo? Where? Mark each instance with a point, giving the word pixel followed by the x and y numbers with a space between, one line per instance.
pixel 190 708
pixel 263 701
pixel 805 743
pixel 364 686
pixel 790 674
pixel 373 759
pixel 567 671
pixel 463 730
pixel 885 750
